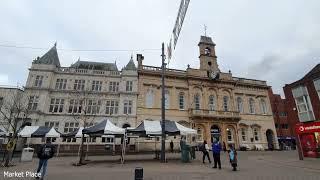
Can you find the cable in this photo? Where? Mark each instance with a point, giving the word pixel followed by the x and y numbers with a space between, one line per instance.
pixel 83 50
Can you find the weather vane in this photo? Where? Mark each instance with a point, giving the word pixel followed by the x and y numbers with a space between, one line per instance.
pixel 205 30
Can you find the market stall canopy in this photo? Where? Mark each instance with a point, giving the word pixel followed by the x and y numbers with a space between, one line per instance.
pixel 104 127
pixel 2 132
pixel 150 127
pixel 38 131
pixel 75 134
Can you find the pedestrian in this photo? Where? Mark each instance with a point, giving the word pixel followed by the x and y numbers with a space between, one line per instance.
pixel 216 149
pixel 171 146
pixel 205 150
pixel 233 157
pixel 224 147
pixel 45 152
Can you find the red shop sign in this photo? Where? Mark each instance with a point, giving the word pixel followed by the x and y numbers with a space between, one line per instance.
pixel 307 127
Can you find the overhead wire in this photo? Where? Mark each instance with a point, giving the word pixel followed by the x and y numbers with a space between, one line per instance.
pixel 82 50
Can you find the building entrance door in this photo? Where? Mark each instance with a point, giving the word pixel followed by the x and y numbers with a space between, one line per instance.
pixel 270 139
pixel 215 133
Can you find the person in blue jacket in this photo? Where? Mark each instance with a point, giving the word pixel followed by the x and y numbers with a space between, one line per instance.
pixel 216 149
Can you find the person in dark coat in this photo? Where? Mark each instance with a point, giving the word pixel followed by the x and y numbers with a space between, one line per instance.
pixel 233 157
pixel 171 146
pixel 45 152
pixel 205 151
pixel 216 149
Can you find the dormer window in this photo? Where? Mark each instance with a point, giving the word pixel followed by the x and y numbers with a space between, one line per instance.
pixel 207 51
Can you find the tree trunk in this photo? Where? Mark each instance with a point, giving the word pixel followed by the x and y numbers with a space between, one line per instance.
pixel 81 150
pixel 9 153
pixel 7 158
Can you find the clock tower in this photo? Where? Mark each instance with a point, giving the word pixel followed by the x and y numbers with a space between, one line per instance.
pixel 208 58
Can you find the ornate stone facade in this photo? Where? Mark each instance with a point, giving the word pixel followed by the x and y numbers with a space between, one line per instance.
pixel 60 94
pixel 208 99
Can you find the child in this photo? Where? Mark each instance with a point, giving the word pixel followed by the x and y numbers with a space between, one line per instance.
pixel 233 157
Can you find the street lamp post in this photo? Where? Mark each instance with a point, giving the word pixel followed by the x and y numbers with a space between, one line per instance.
pixel 163 135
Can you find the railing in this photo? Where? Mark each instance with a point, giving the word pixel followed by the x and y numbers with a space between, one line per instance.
pixel 209 113
pixel 88 71
pixel 250 81
pixel 154 68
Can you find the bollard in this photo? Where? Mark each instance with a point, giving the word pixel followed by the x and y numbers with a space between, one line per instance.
pixel 138 173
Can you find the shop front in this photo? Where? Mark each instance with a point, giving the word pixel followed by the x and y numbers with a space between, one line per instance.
pixel 309 136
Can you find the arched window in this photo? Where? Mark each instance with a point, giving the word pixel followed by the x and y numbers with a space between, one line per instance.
pixel 244 134
pixel 251 106
pixel 149 98
pixel 167 99
pixel 230 135
pixel 256 133
pixel 197 102
pixel 225 103
pixel 212 103
pixel 181 101
pixel 207 51
pixel 263 106
pixel 239 104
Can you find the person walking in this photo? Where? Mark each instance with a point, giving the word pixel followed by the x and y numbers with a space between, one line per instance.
pixel 205 150
pixel 233 157
pixel 171 146
pixel 216 149
pixel 45 152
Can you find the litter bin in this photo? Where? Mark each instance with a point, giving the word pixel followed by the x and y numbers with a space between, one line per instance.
pixel 185 153
pixel 27 154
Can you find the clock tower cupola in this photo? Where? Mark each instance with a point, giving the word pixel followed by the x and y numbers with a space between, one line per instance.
pixel 208 58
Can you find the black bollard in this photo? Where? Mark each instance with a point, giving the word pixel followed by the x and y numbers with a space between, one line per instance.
pixel 138 173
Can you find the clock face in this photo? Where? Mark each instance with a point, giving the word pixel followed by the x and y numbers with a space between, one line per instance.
pixel 213 75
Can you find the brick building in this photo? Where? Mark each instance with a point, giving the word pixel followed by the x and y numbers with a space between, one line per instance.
pixel 303 98
pixel 303 105
pixel 281 121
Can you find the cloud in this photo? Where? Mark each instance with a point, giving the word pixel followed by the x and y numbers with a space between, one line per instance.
pixel 264 40
pixel 4 79
pixel 264 67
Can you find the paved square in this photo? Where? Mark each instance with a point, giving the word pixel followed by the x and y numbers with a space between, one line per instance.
pixel 252 165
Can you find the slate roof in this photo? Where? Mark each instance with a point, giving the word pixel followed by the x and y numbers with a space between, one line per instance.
pixel 130 66
pixel 51 57
pixel 95 65
pixel 314 71
pixel 206 40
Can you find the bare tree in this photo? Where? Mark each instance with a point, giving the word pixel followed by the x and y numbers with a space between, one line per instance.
pixel 84 107
pixel 14 113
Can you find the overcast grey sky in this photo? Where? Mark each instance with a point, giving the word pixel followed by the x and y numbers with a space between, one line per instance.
pixel 276 41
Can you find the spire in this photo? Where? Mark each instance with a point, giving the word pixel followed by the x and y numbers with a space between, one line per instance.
pixel 130 66
pixel 50 58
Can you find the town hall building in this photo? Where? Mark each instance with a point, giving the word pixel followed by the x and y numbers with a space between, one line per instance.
pixel 209 100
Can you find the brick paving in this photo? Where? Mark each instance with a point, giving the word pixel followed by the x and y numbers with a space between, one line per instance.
pixel 276 165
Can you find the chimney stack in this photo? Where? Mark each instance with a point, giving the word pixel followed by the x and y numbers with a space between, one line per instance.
pixel 140 59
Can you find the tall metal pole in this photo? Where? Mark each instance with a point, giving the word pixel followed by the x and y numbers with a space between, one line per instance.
pixel 163 116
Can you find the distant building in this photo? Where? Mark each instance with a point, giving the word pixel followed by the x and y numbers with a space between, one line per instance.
pixel 59 95
pixel 8 94
pixel 11 97
pixel 284 129
pixel 210 101
pixel 303 105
